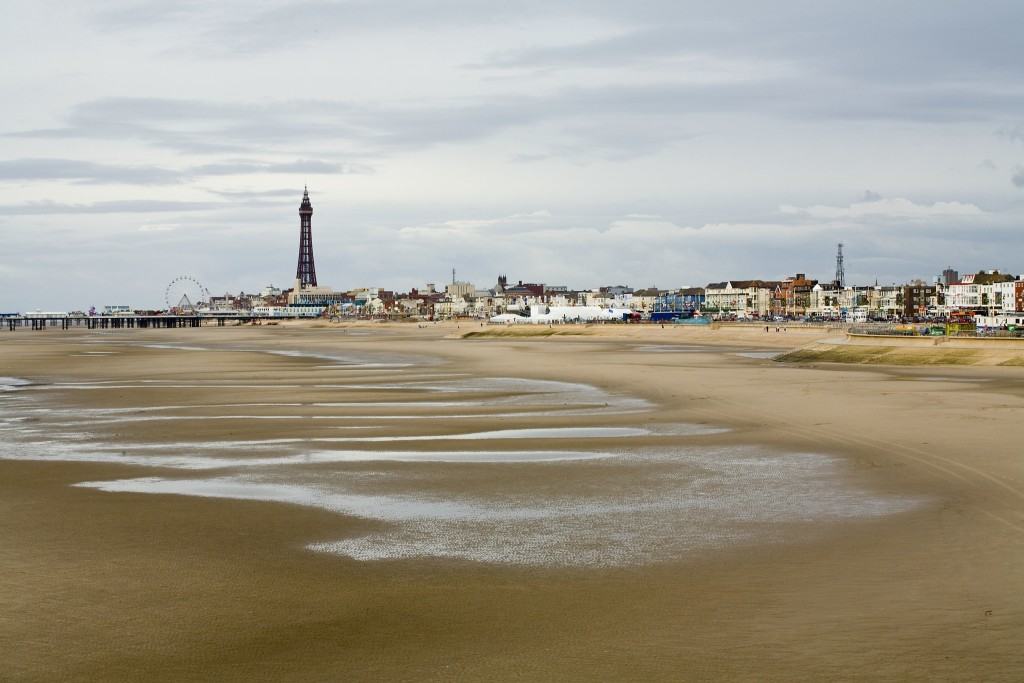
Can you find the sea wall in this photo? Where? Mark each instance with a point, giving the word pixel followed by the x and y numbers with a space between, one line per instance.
pixel 996 343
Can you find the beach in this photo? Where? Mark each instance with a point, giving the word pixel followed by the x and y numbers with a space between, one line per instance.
pixel 393 501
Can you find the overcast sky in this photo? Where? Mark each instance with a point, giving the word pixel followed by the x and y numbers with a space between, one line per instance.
pixel 578 143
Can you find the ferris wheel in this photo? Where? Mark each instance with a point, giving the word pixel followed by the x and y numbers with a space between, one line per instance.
pixel 186 294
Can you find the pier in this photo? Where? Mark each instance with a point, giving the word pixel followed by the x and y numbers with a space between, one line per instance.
pixel 121 322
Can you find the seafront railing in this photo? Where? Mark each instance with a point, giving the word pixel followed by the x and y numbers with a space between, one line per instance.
pixel 890 330
pixel 925 330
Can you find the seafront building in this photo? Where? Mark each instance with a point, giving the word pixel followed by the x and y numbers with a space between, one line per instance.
pixel 988 293
pixel 741 298
pixel 989 290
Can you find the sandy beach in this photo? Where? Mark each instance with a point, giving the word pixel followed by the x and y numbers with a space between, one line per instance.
pixel 398 502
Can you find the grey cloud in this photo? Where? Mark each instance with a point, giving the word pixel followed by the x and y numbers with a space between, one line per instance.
pixel 243 166
pixel 1013 133
pixel 284 192
pixel 906 42
pixel 119 206
pixel 1018 177
pixel 912 61
pixel 617 116
pixel 870 196
pixel 674 104
pixel 242 28
pixel 85 172
pixel 287 24
pixel 638 45
pixel 526 158
pixel 200 126
pixel 94 173
pixel 922 39
pixel 145 14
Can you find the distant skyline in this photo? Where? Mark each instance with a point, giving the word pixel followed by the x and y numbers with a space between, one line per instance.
pixel 663 143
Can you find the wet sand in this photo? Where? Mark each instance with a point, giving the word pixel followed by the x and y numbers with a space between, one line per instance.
pixel 885 541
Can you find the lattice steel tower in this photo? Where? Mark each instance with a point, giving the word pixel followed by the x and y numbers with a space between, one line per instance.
pixel 840 272
pixel 305 273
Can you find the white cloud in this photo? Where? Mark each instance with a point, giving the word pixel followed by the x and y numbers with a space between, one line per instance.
pixel 464 227
pixel 885 208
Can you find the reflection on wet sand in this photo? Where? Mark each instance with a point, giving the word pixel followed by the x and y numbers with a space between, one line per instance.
pixel 701 498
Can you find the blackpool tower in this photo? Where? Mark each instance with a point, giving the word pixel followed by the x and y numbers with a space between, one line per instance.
pixel 305 273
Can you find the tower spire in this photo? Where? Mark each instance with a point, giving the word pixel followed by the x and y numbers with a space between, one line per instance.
pixel 305 272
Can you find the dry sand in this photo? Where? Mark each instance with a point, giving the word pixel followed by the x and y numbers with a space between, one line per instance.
pixel 136 586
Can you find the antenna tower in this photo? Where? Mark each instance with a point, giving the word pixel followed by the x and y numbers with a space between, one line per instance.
pixel 840 272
